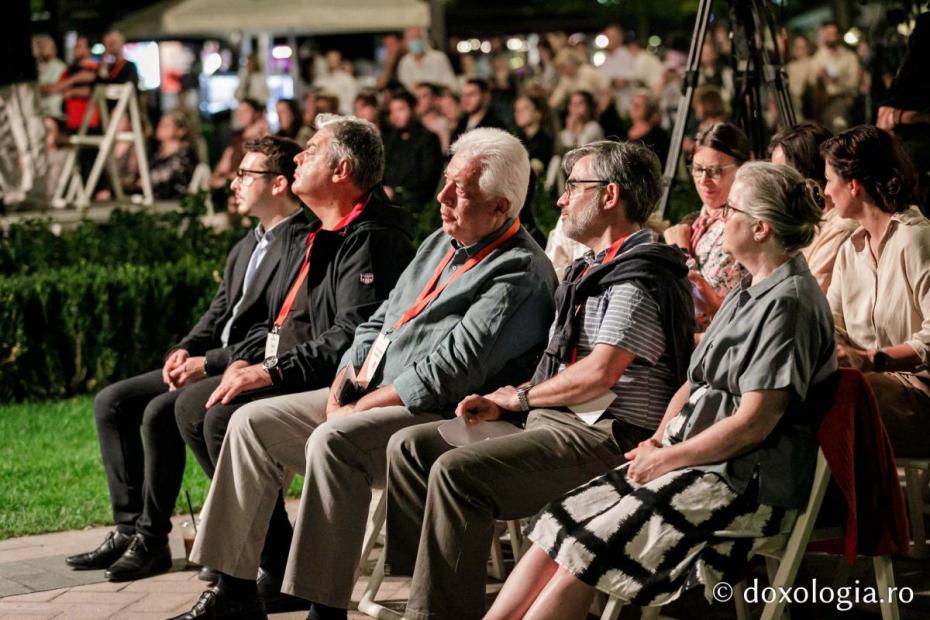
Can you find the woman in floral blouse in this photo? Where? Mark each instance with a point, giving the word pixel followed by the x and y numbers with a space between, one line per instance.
pixel 719 151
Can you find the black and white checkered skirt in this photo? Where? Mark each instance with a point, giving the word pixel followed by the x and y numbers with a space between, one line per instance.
pixel 647 543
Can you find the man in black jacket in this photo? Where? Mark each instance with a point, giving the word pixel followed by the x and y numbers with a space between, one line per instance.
pixel 144 472
pixel 476 105
pixel 413 155
pixel 337 276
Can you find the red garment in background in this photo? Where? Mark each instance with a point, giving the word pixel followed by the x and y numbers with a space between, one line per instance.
pixel 75 107
pixel 853 439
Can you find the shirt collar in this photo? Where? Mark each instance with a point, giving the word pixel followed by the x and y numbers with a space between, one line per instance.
pixel 796 265
pixel 269 235
pixel 909 216
pixel 640 236
pixel 474 248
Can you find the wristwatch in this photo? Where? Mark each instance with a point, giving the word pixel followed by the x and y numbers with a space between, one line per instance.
pixel 880 361
pixel 523 397
pixel 270 363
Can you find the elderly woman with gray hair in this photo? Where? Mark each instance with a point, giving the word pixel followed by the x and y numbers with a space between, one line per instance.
pixel 733 458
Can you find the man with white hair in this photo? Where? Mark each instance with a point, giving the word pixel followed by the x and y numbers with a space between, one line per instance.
pixel 469 313
pixel 617 352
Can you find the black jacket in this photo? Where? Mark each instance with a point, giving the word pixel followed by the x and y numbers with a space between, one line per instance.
pixel 204 338
pixel 351 272
pixel 489 119
pixel 413 163
pixel 660 269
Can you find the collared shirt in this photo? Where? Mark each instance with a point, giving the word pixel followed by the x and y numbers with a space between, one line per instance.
pixel 841 65
pixel 884 303
pixel 263 240
pixel 821 253
pixel 774 335
pixel 432 67
pixel 483 331
pixel 627 317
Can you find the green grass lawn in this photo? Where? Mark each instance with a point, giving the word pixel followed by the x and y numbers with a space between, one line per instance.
pixel 51 476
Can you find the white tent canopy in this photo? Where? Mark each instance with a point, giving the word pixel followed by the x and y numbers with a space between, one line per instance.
pixel 189 18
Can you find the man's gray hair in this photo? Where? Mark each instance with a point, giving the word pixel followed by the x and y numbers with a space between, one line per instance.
pixel 779 195
pixel 357 141
pixel 632 166
pixel 504 162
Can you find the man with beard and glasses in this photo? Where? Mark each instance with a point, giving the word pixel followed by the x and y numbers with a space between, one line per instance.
pixel 618 350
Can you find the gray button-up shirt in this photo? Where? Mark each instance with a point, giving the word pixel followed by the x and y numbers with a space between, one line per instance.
pixel 774 335
pixel 486 329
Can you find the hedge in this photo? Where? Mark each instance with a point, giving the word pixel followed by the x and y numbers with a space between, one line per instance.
pixel 74 329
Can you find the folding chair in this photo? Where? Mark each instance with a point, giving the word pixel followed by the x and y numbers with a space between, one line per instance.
pixel 367 604
pixel 915 485
pixel 784 554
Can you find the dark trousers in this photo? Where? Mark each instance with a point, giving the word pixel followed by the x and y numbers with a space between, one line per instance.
pixel 203 430
pixel 442 501
pixel 144 469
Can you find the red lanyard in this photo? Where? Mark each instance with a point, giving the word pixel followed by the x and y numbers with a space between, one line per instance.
pixel 611 253
pixel 116 68
pixel 430 292
pixel 305 266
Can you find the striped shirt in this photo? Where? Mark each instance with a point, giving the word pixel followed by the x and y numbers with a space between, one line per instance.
pixel 627 317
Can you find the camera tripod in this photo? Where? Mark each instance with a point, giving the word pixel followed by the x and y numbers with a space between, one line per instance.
pixel 758 71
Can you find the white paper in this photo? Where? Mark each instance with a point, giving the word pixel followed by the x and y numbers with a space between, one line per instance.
pixel 590 411
pixel 457 433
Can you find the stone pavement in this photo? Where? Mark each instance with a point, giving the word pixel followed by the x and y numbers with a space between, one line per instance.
pixel 35 583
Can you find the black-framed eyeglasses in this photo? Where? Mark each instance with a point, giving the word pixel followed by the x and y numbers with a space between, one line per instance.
pixel 727 209
pixel 572 185
pixel 245 175
pixel 714 172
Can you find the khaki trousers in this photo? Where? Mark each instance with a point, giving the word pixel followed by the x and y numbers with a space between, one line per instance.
pixel 341 461
pixel 442 501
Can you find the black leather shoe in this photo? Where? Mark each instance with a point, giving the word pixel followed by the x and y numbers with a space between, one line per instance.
pixel 109 551
pixel 214 603
pixel 276 601
pixel 139 562
pixel 208 574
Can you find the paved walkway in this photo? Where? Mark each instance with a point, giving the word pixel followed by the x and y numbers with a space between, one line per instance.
pixel 35 583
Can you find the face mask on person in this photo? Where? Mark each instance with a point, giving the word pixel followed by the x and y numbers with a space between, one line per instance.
pixel 418 46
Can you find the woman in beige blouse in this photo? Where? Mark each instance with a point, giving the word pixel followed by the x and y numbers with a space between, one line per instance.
pixel 799 147
pixel 880 293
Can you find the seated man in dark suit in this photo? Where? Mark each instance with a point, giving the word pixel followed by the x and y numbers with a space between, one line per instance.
pixel 144 471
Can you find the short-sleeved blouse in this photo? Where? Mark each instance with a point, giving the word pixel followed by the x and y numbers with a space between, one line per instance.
pixel 776 334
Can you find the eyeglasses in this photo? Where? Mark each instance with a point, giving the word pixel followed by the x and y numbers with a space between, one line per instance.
pixel 714 172
pixel 571 185
pixel 245 178
pixel 726 210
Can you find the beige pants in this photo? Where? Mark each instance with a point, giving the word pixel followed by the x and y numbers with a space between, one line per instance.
pixel 341 461
pixel 904 404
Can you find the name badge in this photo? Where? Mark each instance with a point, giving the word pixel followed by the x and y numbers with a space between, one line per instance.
pixel 271 344
pixel 375 355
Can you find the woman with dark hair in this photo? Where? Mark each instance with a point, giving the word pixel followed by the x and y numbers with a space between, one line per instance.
pixel 174 162
pixel 880 293
pixel 580 126
pixel 288 118
pixel 718 153
pixel 534 127
pixel 799 147
pixel 700 495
